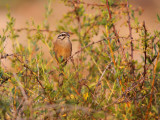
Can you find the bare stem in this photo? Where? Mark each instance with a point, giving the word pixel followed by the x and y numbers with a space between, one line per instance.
pixel 145 48
pixel 115 32
pixel 131 37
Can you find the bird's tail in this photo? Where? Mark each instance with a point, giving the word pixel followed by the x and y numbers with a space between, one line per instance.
pixel 61 76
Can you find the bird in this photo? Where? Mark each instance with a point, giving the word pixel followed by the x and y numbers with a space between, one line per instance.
pixel 63 50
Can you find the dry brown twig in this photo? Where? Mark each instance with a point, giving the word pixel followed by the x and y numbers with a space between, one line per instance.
pixel 4 56
pixel 82 49
pixel 152 89
pixel 33 29
pixel 94 4
pixel 26 66
pixel 115 32
pixel 131 37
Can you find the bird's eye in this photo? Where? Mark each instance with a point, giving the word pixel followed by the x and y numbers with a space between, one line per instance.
pixel 60 35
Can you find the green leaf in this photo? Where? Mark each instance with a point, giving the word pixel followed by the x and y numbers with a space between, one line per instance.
pixel 158 17
pixel 158 67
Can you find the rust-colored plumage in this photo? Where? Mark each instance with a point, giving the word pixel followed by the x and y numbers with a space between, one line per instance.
pixel 62 48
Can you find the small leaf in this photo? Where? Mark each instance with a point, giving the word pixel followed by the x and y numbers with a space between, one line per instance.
pixel 158 17
pixel 158 67
pixel 85 96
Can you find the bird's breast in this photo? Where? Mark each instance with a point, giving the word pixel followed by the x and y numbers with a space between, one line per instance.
pixel 62 50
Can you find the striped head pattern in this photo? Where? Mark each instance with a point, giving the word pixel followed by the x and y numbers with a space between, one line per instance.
pixel 63 35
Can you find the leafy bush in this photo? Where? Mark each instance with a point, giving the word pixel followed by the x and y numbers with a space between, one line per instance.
pixel 104 80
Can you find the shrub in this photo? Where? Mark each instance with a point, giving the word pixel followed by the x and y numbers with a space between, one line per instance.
pixel 104 80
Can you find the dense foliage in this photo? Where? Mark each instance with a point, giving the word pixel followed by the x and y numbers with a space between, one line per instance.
pixel 104 80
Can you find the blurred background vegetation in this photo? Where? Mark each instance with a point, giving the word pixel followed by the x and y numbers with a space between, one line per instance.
pixel 14 3
pixel 116 68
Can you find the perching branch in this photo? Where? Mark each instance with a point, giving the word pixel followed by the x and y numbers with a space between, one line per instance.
pixel 86 47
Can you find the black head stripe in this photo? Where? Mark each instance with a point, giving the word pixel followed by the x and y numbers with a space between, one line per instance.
pixel 63 35
pixel 67 34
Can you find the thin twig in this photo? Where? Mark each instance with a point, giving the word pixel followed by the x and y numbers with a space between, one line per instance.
pixel 6 55
pixel 145 49
pixel 88 4
pixel 26 66
pixel 4 80
pixel 94 4
pixel 130 35
pixel 82 49
pixel 100 79
pixel 21 88
pixel 115 32
pixel 152 89
pixel 141 80
pixel 33 29
pixel 21 104
pixel 44 89
pixel 40 30
pixel 90 28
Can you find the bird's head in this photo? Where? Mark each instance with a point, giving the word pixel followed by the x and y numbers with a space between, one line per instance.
pixel 63 36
